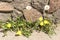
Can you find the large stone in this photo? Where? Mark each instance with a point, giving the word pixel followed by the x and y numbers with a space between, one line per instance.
pixel 54 5
pixel 12 15
pixel 6 7
pixel 5 16
pixel 41 1
pixel 22 0
pixel 16 13
pixel 39 4
pixel 6 0
pixel 57 15
pixel 32 15
pixel 21 4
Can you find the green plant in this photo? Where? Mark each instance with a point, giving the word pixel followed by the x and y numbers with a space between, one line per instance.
pixel 22 27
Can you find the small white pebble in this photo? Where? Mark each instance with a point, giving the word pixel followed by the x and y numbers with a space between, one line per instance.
pixel 28 7
pixel 47 7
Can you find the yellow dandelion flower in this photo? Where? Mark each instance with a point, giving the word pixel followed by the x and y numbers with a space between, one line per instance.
pixel 18 32
pixel 46 22
pixel 8 25
pixel 41 23
pixel 41 18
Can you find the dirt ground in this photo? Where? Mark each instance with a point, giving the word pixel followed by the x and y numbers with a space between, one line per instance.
pixel 34 36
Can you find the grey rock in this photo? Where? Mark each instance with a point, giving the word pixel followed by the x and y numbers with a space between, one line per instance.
pixel 8 16
pixel 22 0
pixel 6 0
pixel 5 16
pixel 57 15
pixel 20 4
pixel 6 7
pixel 39 4
pixel 16 13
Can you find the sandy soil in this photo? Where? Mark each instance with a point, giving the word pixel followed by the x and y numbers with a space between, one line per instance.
pixel 34 36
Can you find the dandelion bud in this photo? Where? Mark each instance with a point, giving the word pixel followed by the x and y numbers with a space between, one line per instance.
pixel 28 7
pixel 47 7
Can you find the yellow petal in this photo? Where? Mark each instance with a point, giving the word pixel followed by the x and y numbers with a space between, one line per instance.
pixel 8 25
pixel 41 23
pixel 19 33
pixel 46 22
pixel 41 18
